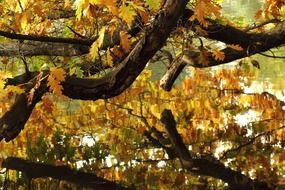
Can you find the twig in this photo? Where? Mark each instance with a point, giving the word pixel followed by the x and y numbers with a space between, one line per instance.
pixel 76 33
pixel 46 38
pixel 251 141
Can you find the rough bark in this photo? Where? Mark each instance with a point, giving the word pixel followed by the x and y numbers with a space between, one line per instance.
pixel 33 45
pixel 209 167
pixel 41 170
pixel 251 42
pixel 175 68
pixel 34 48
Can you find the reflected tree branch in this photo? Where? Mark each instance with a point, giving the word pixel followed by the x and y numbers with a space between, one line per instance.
pixel 208 167
pixel 41 170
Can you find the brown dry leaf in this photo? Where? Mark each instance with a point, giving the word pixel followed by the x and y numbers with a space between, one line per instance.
pixel 144 16
pixel 235 47
pixel 218 55
pixel 47 104
pixel 204 9
pixel 258 14
pixel 203 58
pixel 117 52
pixel 125 41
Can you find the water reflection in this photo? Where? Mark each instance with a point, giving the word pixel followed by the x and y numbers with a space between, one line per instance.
pixel 241 8
pixel 271 75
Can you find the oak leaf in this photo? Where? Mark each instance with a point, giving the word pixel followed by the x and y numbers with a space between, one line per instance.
pixel 95 47
pixel 218 55
pixel 56 77
pixel 235 47
pixel 125 41
pixel 127 14
pixel 204 9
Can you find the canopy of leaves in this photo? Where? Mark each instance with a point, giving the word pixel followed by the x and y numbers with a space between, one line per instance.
pixel 80 109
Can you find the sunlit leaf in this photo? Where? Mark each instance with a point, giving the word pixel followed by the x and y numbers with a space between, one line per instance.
pixel 127 14
pixel 56 77
pixel 218 55
pixel 95 47
pixel 235 47
pixel 153 4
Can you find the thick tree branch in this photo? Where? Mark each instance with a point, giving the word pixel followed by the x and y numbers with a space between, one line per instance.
pixel 14 120
pixel 33 45
pixel 176 67
pixel 157 139
pixel 41 170
pixel 122 76
pixel 10 35
pixel 251 43
pixel 33 48
pixel 213 168
pixel 115 82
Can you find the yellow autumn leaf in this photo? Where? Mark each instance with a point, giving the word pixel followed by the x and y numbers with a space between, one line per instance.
pixel 67 4
pixel 235 47
pixel 30 95
pixel 218 55
pixel 80 5
pixel 95 2
pixel 125 41
pixel 204 9
pixel 109 58
pixel 56 77
pixel 127 14
pixel 153 4
pixel 93 51
pixel 95 47
pixel 2 80
pixel 58 73
pixel 14 89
